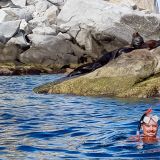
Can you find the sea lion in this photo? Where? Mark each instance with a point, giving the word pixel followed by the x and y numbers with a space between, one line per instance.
pixel 151 44
pixel 137 40
pixel 107 56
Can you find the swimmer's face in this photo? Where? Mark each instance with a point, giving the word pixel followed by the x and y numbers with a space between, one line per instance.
pixel 150 129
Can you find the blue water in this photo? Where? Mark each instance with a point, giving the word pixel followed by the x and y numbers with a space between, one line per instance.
pixel 48 127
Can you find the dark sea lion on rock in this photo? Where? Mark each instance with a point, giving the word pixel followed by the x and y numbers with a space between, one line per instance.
pixel 107 56
pixel 85 68
pixel 137 40
pixel 151 44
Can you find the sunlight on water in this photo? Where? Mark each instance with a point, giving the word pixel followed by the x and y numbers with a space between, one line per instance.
pixel 36 126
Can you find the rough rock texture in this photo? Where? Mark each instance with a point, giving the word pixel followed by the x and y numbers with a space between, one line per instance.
pixel 80 28
pixel 51 50
pixel 148 5
pixel 122 78
pixel 9 53
pixel 20 3
pixel 110 26
pixel 12 28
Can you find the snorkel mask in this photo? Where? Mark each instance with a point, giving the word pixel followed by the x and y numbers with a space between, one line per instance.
pixel 146 118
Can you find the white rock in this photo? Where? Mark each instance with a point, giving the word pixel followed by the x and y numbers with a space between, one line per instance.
pixel 148 5
pixel 5 17
pixel 24 25
pixel 51 14
pixel 64 35
pixel 38 40
pixel 9 29
pixel 31 2
pixel 110 24
pixel 21 3
pixel 46 18
pixel 18 13
pixel 44 31
pixel 79 11
pixel 5 3
pixel 19 39
pixel 41 7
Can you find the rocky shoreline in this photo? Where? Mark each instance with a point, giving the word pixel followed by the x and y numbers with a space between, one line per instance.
pixel 64 33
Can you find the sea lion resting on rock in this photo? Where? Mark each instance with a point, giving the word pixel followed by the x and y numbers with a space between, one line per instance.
pixel 138 42
pixel 89 67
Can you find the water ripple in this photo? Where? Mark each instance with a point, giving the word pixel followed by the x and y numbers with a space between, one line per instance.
pixel 34 126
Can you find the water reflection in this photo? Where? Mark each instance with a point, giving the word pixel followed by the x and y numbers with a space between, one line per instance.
pixel 34 126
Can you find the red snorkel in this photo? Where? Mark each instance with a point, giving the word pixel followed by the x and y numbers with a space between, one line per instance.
pixel 141 120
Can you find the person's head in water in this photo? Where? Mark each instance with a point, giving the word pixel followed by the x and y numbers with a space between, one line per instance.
pixel 150 125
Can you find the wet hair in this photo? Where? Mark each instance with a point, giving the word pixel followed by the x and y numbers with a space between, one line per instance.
pixel 141 120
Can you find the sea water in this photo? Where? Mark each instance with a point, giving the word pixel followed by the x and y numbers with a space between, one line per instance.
pixel 53 126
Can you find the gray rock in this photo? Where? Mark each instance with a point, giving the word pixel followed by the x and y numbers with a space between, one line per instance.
pixel 25 13
pixel 51 50
pixel 44 31
pixel 3 39
pixel 9 29
pixel 138 63
pixel 9 53
pixel 41 6
pixel 110 26
pixel 21 3
pixel 20 40
pixel 31 2
pixel 51 14
pixel 11 14
pixel 156 55
pixel 147 5
pixel 146 24
pixel 121 77
pixel 44 16
pixel 7 16
pixel 7 3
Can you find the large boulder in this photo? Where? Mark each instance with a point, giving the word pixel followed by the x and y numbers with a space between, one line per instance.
pixel 44 16
pixel 104 24
pixel 21 3
pixel 17 13
pixel 50 50
pixel 9 53
pixel 20 40
pixel 9 29
pixel 44 31
pixel 6 3
pixel 118 78
pixel 147 5
pixel 6 16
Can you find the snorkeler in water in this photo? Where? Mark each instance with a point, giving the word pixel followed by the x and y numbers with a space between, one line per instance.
pixel 149 125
